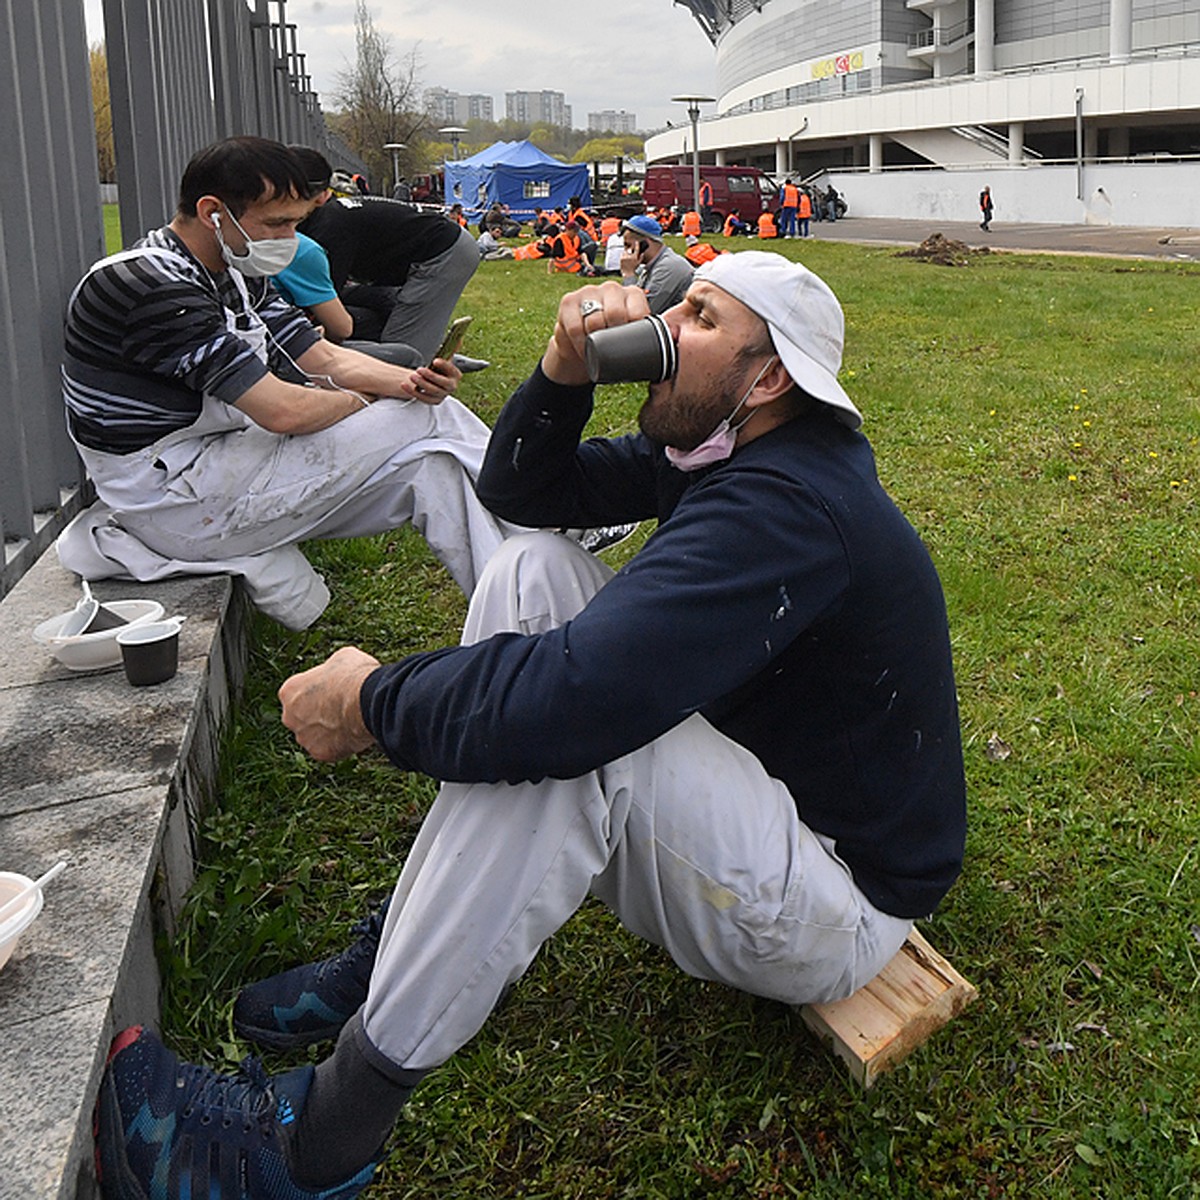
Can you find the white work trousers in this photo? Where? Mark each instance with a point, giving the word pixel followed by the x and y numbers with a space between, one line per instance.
pixel 687 840
pixel 225 487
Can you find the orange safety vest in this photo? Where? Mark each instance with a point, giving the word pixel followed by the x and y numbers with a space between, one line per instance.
pixel 791 195
pixel 583 221
pixel 730 229
pixel 609 226
pixel 691 224
pixel 705 194
pixel 804 211
pixel 701 253
pixel 766 226
pixel 530 250
pixel 569 259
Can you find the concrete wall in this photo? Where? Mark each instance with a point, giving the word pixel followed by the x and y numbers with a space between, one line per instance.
pixel 1146 194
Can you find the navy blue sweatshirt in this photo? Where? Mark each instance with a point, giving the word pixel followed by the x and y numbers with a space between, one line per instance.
pixel 783 596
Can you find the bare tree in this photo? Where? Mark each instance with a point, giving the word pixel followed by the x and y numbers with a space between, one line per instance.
pixel 379 97
pixel 106 158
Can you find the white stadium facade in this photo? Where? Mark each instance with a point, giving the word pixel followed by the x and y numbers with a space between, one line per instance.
pixel 1070 110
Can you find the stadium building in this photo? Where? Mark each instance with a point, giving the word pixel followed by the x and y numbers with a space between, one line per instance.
pixel 1070 110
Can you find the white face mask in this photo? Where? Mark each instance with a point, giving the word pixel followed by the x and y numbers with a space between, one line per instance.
pixel 719 444
pixel 266 256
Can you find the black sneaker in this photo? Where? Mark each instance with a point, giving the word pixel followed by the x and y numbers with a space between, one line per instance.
pixel 595 540
pixel 167 1130
pixel 311 1003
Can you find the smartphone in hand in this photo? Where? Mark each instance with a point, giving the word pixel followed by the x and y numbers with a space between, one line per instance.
pixel 453 340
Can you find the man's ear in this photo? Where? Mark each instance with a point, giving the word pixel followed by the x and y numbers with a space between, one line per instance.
pixel 776 382
pixel 206 208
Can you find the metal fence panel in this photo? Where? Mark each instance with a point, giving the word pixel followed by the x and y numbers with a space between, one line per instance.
pixel 50 229
pixel 162 105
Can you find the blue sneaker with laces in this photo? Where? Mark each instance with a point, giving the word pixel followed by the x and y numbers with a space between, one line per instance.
pixel 167 1130
pixel 311 1003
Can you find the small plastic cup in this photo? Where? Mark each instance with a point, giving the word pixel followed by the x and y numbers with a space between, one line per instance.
pixel 90 616
pixel 641 350
pixel 150 652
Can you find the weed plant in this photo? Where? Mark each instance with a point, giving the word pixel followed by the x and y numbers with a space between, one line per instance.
pixel 1036 417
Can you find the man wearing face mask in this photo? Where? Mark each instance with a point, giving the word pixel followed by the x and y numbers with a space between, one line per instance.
pixel 220 428
pixel 745 742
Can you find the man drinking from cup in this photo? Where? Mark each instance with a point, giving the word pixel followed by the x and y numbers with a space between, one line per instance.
pixel 745 742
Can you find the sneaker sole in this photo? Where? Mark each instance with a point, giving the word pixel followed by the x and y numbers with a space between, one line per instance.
pixel 273 1039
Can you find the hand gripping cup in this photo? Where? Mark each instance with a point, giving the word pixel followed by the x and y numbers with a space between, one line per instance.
pixel 641 350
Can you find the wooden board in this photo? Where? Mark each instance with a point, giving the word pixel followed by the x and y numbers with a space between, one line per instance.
pixel 913 996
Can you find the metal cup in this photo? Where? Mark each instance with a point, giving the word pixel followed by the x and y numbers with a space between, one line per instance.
pixel 641 350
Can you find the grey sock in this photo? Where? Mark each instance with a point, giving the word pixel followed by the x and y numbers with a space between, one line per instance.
pixel 355 1098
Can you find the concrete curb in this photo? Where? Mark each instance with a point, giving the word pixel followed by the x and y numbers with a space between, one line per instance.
pixel 113 779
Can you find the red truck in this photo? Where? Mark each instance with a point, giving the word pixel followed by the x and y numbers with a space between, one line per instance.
pixel 746 191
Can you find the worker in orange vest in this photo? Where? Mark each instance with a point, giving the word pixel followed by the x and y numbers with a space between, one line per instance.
pixel 734 225
pixel 690 226
pixel 803 214
pixel 789 201
pixel 698 252
pixel 766 225
pixel 582 220
pixel 608 227
pixel 566 252
pixel 456 214
pixel 706 195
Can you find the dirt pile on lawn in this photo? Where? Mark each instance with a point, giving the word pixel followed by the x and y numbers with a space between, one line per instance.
pixel 944 251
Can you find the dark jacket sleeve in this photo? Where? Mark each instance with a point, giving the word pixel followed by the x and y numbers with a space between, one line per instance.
pixel 536 472
pixel 701 610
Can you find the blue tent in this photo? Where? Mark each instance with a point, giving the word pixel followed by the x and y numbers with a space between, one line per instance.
pixel 517 174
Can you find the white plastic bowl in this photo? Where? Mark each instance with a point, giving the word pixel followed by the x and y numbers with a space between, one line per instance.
pixel 16 923
pixel 91 651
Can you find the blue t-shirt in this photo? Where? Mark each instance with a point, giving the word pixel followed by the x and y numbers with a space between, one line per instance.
pixel 306 281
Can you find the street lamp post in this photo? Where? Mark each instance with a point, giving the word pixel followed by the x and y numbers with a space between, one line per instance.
pixel 693 103
pixel 454 133
pixel 395 148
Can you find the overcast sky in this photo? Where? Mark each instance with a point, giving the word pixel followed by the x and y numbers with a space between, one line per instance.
pixel 620 54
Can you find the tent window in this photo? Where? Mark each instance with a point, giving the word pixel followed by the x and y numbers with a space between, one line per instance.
pixel 458 191
pixel 536 189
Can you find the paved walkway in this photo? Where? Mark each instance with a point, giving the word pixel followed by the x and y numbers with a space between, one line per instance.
pixel 1125 241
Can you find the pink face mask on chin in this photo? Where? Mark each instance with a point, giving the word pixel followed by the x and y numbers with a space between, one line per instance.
pixel 719 444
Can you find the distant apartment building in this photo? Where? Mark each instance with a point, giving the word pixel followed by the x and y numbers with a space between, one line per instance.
pixel 537 108
pixel 610 119
pixel 454 108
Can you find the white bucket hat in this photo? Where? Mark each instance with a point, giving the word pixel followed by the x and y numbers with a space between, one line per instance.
pixel 804 318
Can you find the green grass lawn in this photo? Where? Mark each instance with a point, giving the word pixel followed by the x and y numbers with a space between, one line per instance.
pixel 112 228
pixel 1036 418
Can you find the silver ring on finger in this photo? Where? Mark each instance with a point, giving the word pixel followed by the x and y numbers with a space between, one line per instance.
pixel 588 307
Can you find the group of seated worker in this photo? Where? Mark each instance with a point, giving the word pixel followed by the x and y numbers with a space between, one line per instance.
pixel 745 742
pixel 220 427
